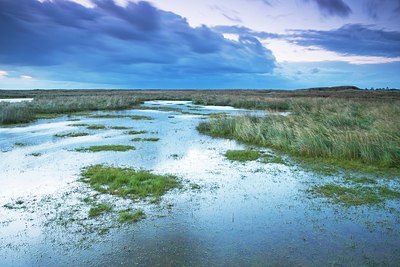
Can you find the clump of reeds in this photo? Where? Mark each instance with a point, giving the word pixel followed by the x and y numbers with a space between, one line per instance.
pixel 338 130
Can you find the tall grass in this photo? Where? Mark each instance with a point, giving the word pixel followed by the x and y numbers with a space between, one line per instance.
pixel 26 111
pixel 339 130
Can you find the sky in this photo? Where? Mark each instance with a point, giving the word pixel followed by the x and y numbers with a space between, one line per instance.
pixel 170 44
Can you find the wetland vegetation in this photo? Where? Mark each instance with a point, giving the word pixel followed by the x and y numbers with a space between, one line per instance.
pixel 310 159
pixel 120 148
pixel 127 182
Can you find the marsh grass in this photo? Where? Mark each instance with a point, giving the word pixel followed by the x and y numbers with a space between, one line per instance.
pixel 242 155
pixel 354 135
pixel 99 209
pixel 74 134
pixel 272 159
pixel 136 132
pixel 120 148
pixel 20 144
pixel 354 196
pixel 137 117
pixel 51 107
pixel 128 183
pixel 119 128
pixel 79 124
pixel 129 216
pixel 96 127
pixel 150 139
pixel 35 154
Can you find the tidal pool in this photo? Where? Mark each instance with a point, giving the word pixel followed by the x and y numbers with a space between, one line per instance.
pixel 226 213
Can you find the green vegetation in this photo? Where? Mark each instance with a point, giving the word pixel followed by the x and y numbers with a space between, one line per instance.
pixel 20 144
pixel 115 116
pixel 95 127
pixel 136 132
pixel 353 196
pixel 137 117
pixel 151 139
pixel 128 183
pixel 74 134
pixel 352 134
pixel 47 116
pixel 359 180
pixel 79 124
pixel 119 128
pixel 242 155
pixel 272 159
pixel 51 107
pixel 131 216
pixel 35 154
pixel 106 148
pixel 98 210
pixel 107 116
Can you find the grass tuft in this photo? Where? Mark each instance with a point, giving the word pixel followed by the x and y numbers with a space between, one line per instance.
pixel 136 132
pixel 151 139
pixel 242 155
pixel 106 148
pixel 98 210
pixel 74 134
pixel 131 216
pixel 95 127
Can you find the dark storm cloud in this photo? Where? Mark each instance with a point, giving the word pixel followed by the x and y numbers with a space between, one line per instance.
pixel 137 38
pixel 351 39
pixel 333 7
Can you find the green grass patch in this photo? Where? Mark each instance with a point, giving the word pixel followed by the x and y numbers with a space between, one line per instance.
pixel 272 159
pixel 242 155
pixel 107 116
pixel 136 132
pixel 138 117
pixel 150 139
pixel 354 196
pixel 74 134
pixel 20 144
pixel 95 127
pixel 47 116
pixel 35 154
pixel 79 124
pixel 98 210
pixel 119 128
pixel 128 216
pixel 106 148
pixel 128 183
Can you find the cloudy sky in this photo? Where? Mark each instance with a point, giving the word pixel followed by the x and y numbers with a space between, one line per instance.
pixel 282 44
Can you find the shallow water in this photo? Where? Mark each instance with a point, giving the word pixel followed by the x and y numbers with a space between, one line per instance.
pixel 249 213
pixel 16 100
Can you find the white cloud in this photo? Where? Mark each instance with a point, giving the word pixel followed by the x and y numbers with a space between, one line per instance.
pixel 288 52
pixel 26 77
pixel 3 74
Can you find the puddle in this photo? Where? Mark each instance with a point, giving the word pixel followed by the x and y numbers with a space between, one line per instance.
pixel 228 213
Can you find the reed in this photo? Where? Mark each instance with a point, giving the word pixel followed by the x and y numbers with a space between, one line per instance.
pixel 343 131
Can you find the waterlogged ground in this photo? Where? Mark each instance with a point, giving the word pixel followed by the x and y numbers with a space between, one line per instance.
pixel 226 212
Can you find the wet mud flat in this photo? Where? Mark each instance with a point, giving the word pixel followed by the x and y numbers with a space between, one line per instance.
pixel 226 212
